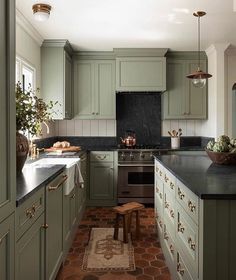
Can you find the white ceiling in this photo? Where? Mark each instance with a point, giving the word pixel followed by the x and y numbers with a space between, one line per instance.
pixel 108 24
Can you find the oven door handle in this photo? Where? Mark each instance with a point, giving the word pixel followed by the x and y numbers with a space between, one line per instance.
pixel 135 164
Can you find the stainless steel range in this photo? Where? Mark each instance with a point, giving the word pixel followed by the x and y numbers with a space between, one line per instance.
pixel 136 174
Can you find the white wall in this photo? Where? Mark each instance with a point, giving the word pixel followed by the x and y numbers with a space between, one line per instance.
pixel 28 47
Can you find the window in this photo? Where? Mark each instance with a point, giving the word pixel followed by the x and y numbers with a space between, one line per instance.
pixel 25 74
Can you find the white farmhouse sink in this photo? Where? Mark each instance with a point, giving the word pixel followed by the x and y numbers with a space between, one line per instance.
pixel 70 169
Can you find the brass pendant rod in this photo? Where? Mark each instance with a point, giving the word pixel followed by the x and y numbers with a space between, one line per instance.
pixel 199 30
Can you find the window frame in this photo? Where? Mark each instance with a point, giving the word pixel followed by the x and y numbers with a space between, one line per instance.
pixel 20 63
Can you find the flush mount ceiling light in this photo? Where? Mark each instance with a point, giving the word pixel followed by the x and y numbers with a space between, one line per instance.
pixel 199 77
pixel 41 11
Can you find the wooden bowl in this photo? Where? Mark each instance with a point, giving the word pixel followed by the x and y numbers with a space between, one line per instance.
pixel 222 158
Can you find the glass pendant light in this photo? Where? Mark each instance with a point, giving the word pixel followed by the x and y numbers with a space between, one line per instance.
pixel 199 77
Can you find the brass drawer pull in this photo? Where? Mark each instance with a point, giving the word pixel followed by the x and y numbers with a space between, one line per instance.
pixel 180 269
pixel 192 245
pixel 191 206
pixel 30 212
pixel 102 157
pixel 160 195
pixel 166 179
pixel 50 188
pixel 160 223
pixel 180 194
pixel 166 237
pixel 172 214
pixel 166 204
pixel 181 228
pixel 45 226
pixel 171 185
pixel 172 249
pixel 160 173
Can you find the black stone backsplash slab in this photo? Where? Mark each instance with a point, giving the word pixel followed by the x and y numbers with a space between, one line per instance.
pixel 140 112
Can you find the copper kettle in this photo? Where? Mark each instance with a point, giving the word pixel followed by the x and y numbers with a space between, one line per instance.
pixel 130 139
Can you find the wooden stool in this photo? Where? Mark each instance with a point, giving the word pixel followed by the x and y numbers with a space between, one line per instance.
pixel 125 211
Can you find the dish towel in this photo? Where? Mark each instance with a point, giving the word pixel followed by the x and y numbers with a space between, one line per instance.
pixel 79 180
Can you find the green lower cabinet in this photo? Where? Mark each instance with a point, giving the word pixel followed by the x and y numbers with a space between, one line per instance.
pixel 54 232
pixel 69 219
pixel 7 244
pixel 30 253
pixel 101 181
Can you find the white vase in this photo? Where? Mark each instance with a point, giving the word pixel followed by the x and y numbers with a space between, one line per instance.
pixel 175 142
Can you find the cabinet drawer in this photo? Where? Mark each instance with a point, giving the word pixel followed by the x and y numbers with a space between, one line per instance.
pixel 159 173
pixel 159 191
pixel 169 211
pixel 29 211
pixel 169 244
pixel 188 200
pixel 101 156
pixel 170 181
pixel 187 237
pixel 183 273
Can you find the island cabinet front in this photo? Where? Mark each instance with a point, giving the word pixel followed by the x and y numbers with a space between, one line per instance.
pixel 197 235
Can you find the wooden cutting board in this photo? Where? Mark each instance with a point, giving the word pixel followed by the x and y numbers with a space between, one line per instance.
pixel 70 149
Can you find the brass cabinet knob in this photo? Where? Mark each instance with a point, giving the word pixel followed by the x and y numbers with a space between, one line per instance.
pixel 171 249
pixel 166 204
pixel 45 226
pixel 180 194
pixel 166 237
pixel 160 194
pixel 172 214
pixel 166 179
pixel 171 185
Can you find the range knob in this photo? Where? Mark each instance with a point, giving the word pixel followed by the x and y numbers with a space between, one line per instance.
pixel 142 155
pixel 131 156
pixel 122 156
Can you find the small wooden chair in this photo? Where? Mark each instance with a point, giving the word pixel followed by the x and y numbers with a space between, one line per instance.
pixel 125 211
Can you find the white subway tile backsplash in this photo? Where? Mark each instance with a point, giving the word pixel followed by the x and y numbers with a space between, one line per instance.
pixel 102 128
pixel 94 128
pixel 183 125
pixel 190 128
pixel 78 127
pixel 111 127
pixel 70 128
pixel 62 131
pixel 86 127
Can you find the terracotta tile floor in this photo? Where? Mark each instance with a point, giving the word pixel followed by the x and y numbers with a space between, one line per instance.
pixel 149 260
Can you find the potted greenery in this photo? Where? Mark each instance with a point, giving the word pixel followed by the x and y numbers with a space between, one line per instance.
pixel 31 112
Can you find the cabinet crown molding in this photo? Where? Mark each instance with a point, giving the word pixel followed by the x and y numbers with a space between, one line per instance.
pixel 185 55
pixel 58 43
pixel 144 52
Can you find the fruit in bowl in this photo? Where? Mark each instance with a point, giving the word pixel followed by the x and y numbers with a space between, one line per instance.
pixel 222 151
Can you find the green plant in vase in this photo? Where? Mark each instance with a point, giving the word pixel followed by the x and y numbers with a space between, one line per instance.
pixel 31 112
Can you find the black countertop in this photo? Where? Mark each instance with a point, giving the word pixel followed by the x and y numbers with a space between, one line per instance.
pixel 201 176
pixel 32 178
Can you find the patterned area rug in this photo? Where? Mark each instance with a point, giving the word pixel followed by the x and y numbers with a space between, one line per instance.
pixel 103 253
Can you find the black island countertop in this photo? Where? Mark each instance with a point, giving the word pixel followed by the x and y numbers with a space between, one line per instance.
pixel 34 177
pixel 201 176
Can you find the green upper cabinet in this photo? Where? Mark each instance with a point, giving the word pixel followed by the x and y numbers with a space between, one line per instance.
pixel 56 68
pixel 94 89
pixel 141 74
pixel 182 100
pixel 7 109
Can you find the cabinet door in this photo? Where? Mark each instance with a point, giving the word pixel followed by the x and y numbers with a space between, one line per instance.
pixel 101 181
pixel 141 74
pixel 196 97
pixel 69 219
pixel 173 99
pixel 84 89
pixel 30 251
pixel 7 109
pixel 68 87
pixel 54 234
pixel 7 243
pixel 105 89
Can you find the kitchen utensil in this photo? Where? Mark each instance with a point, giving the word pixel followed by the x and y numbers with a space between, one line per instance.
pixel 130 139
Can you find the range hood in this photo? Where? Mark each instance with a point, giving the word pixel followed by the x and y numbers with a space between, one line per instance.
pixel 140 70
